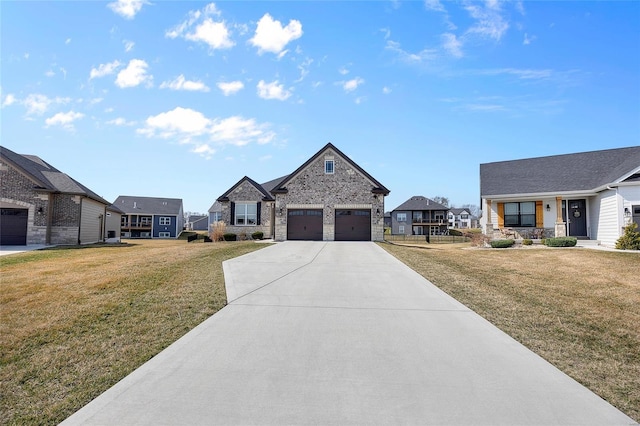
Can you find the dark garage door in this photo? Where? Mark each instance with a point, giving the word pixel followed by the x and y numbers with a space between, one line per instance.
pixel 353 225
pixel 13 227
pixel 304 224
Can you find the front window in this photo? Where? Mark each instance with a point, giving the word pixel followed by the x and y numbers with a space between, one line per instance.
pixel 216 216
pixel 164 235
pixel 246 214
pixel 401 217
pixel 401 229
pixel 417 217
pixel 164 220
pixel 520 214
pixel 328 167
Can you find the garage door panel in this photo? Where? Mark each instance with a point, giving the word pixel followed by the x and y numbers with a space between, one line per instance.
pixel 353 225
pixel 13 227
pixel 304 224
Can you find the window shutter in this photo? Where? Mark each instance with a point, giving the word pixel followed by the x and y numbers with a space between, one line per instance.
pixel 233 213
pixel 500 215
pixel 539 215
pixel 258 213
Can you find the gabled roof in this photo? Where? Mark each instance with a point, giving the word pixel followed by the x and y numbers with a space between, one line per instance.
pixel 265 195
pixel 378 187
pixel 458 211
pixel 585 171
pixel 46 177
pixel 419 202
pixel 149 205
pixel 215 207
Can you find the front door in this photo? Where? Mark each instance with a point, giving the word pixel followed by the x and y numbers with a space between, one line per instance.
pixel 576 216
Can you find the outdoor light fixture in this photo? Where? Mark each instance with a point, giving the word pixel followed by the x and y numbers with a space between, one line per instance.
pixel 548 208
pixel 39 210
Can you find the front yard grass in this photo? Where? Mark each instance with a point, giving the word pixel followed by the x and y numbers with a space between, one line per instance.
pixel 577 308
pixel 74 321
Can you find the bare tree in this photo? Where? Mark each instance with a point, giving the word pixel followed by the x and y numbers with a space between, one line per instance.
pixel 442 200
pixel 472 208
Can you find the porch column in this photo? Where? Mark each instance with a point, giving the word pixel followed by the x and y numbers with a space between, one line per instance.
pixel 561 229
pixel 489 225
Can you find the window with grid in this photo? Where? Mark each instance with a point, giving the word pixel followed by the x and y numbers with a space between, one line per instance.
pixel 520 214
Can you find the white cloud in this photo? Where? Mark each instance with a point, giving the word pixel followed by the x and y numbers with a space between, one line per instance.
pixel 127 8
pixel 343 71
pixel 50 73
pixel 39 104
pixel 424 55
pixel 304 69
pixel 452 45
pixel 205 29
pixel 489 21
pixel 180 83
pixel 64 119
pixel 104 69
pixel 67 41
pixel 215 34
pixel 128 45
pixel 134 74
pixel 265 157
pixel 272 90
pixel 121 122
pixel 523 74
pixel 9 100
pixel 351 85
pixel 231 87
pixel 191 127
pixel 271 36
pixel 434 5
pixel 239 131
pixel 386 90
pixel 528 39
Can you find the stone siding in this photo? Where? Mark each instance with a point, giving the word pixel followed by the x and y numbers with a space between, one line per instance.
pixel 246 192
pixel 346 186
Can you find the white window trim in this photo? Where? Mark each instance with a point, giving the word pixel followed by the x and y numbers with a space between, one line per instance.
pixel 164 234
pixel 163 219
pixel 333 167
pixel 246 215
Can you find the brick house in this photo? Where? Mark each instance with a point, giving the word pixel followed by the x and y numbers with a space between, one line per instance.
pixel 41 205
pixel 327 198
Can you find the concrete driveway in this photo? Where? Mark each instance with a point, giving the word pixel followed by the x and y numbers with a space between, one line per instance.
pixel 337 334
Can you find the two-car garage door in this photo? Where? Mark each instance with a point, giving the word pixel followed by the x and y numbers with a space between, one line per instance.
pixel 350 224
pixel 13 227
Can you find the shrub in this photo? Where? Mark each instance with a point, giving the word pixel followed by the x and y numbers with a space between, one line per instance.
pixel 229 236
pixel 257 235
pixel 455 232
pixel 527 242
pixel 502 243
pixel 561 242
pixel 217 231
pixel 630 240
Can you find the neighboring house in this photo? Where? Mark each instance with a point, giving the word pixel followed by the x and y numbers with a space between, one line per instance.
pixel 215 214
pixel 387 221
pixel 39 204
pixel 197 223
pixel 149 217
pixel 462 219
pixel 329 197
pixel 419 216
pixel 590 195
pixel 113 224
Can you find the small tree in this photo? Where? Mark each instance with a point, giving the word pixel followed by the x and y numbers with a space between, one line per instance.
pixel 630 240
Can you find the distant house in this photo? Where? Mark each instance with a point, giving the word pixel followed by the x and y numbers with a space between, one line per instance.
pixel 589 195
pixel 39 204
pixel 462 219
pixel 113 224
pixel 419 216
pixel 329 197
pixel 197 223
pixel 149 217
pixel 215 213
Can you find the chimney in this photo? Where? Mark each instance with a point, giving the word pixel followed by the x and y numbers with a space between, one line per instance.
pixel 135 205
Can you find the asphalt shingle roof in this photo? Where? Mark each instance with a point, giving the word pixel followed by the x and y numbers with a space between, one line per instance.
pixel 419 202
pixel 559 173
pixel 148 205
pixel 46 176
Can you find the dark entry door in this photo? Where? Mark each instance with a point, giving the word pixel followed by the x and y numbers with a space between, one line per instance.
pixel 304 224
pixel 13 227
pixel 577 218
pixel 353 225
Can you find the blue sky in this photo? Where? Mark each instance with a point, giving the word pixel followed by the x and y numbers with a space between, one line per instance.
pixel 182 99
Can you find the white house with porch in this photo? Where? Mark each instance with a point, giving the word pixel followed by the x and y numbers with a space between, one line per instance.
pixel 589 195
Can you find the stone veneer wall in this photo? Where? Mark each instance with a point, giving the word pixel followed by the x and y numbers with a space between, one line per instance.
pixel 246 192
pixel 345 188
